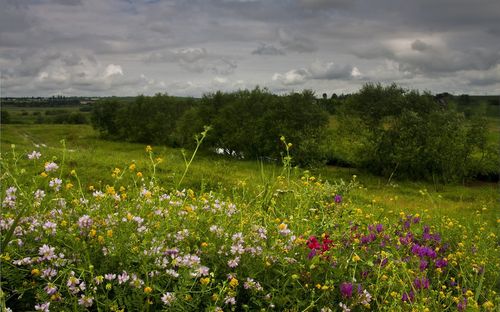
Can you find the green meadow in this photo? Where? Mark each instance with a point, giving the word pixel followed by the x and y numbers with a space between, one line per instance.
pixel 92 224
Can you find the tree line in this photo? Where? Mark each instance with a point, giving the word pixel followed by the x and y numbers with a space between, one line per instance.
pixel 387 130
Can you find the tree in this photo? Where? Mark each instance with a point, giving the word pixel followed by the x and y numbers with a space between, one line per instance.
pixel 408 134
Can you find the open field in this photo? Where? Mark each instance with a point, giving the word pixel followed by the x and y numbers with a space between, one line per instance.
pixel 120 229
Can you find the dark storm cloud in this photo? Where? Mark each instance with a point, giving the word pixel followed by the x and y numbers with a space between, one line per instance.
pixel 51 46
pixel 267 49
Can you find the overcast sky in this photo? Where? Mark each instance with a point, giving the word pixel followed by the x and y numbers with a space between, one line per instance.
pixel 130 47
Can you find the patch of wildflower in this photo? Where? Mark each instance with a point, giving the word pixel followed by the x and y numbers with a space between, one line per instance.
pixel 182 250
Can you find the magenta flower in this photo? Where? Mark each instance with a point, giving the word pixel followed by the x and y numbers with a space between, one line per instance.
pixel 346 290
pixel 338 199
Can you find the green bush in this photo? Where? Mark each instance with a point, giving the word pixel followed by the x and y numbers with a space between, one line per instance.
pixel 410 135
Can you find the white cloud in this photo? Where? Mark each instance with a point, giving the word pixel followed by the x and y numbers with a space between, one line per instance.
pixel 112 70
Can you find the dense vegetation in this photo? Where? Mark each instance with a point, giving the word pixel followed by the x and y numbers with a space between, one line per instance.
pixel 245 123
pixel 93 225
pixel 415 136
pixel 387 130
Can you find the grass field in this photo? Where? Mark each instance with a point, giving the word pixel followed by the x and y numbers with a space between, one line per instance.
pixel 234 235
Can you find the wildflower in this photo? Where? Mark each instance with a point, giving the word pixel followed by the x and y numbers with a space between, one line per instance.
pixel 44 307
pixel 408 296
pixel 346 290
pixel 234 282
pixel 10 197
pixel 122 278
pixel 283 229
pixel 148 290
pixel 421 283
pixel 205 280
pixel 109 277
pixel 168 298
pixel 230 300
pixel 34 155
pixel 365 297
pixel 356 258
pixel 488 305
pixel 441 263
pixel 50 289
pixel 55 183
pixel 233 262
pixel 49 273
pixel 344 307
pixel 39 195
pixel 149 149
pixel 86 301
pixel 50 226
pixel 338 199
pixel 51 166
pixel 46 252
pixel 462 304
pixel 85 222
pixel 131 167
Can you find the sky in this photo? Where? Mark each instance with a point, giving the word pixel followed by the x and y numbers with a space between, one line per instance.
pixel 189 48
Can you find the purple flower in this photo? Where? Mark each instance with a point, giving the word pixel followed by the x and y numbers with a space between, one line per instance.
pixel 346 290
pixel 441 263
pixel 47 252
pixel 51 166
pixel 379 228
pixel 423 265
pixel 86 301
pixel 408 296
pixel 338 199
pixel 462 304
pixel 421 283
pixel 42 307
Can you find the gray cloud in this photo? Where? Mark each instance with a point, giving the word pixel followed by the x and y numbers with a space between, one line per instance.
pixel 319 71
pixel 295 42
pixel 50 46
pixel 267 49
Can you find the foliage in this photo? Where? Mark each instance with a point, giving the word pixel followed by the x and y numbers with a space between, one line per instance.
pixel 245 123
pixel 411 135
pixel 249 124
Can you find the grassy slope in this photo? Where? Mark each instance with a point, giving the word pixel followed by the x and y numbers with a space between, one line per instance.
pixel 95 159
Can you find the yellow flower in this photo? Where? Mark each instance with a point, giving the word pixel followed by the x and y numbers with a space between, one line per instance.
pixel 109 233
pixel 73 172
pixel 205 280
pixel 356 258
pixel 488 305
pixel 131 167
pixel 469 293
pixel 35 272
pixel 394 294
pixel 43 174
pixel 139 174
pixel 110 190
pixel 282 226
pixel 234 282
pixel 204 244
pixel 69 186
pixel 148 289
pixel 149 149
